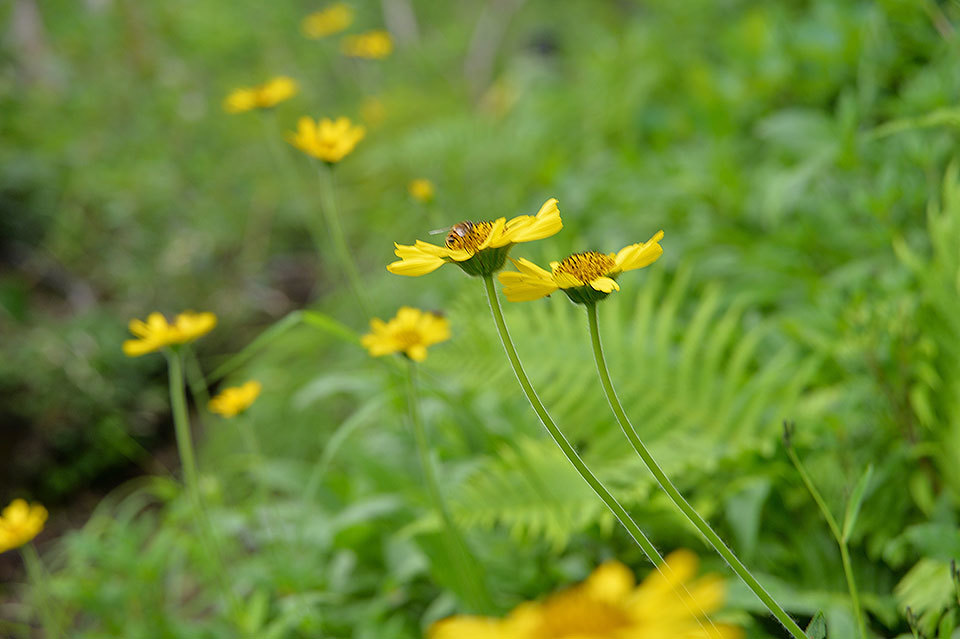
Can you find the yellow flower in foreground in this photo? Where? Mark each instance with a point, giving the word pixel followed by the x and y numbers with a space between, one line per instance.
pixel 479 248
pixel 157 333
pixel 585 277
pixel 372 45
pixel 421 190
pixel 232 401
pixel 328 140
pixel 610 605
pixel 328 21
pixel 19 523
pixel 261 97
pixel 410 333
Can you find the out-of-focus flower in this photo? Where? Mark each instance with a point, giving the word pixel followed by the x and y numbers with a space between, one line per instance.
pixel 232 401
pixel 331 19
pixel 327 140
pixel 479 248
pixel 19 523
pixel 421 189
pixel 157 333
pixel 372 45
pixel 585 277
pixel 264 96
pixel 669 604
pixel 410 332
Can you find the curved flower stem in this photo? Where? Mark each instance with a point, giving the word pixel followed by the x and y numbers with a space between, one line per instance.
pixel 837 534
pixel 568 451
pixel 38 579
pixel 470 572
pixel 699 522
pixel 332 214
pixel 181 424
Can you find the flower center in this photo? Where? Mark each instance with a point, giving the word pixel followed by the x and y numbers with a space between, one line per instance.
pixel 407 337
pixel 573 615
pixel 586 266
pixel 468 236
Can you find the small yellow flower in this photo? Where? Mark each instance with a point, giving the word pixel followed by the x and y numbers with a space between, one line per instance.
pixel 410 333
pixel 157 333
pixel 479 248
pixel 19 523
pixel 327 140
pixel 328 21
pixel 585 277
pixel 610 605
pixel 230 402
pixel 372 45
pixel 421 190
pixel 263 96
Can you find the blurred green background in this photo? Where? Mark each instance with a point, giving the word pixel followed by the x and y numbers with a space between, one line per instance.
pixel 798 154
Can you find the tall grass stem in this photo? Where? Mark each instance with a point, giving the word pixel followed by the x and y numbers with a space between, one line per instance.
pixel 470 571
pixel 332 213
pixel 837 534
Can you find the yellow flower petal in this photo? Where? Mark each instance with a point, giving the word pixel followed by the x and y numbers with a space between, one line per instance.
pixel 330 20
pixel 527 228
pixel 604 284
pixel 639 255
pixel 610 582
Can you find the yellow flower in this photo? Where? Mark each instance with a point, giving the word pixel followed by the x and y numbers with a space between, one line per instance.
pixel 585 277
pixel 372 45
pixel 264 96
pixel 157 333
pixel 19 523
pixel 421 190
pixel 479 248
pixel 327 140
pixel 410 333
pixel 328 21
pixel 610 605
pixel 232 401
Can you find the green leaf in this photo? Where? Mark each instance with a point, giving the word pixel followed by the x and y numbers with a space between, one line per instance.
pixel 818 627
pixel 855 502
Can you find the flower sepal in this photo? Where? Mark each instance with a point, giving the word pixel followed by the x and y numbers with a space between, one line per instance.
pixel 585 295
pixel 486 262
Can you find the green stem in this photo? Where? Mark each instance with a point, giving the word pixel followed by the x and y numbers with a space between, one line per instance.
pixel 37 576
pixel 568 451
pixel 699 522
pixel 472 577
pixel 181 424
pixel 835 531
pixel 332 214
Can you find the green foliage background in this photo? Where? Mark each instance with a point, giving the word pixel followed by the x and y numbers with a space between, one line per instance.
pixel 799 155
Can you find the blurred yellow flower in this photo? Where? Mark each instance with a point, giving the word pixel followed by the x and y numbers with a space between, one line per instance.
pixel 372 45
pixel 230 402
pixel 157 333
pixel 410 333
pixel 263 96
pixel 479 248
pixel 610 605
pixel 421 190
pixel 327 140
pixel 331 19
pixel 19 523
pixel 585 277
